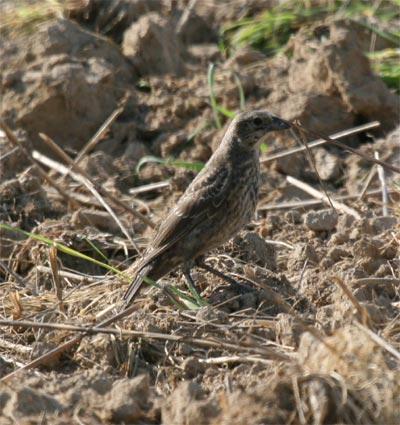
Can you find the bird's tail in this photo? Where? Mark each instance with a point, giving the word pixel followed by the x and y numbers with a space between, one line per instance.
pixel 136 284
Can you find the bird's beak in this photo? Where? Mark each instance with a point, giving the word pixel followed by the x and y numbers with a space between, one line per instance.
pixel 279 124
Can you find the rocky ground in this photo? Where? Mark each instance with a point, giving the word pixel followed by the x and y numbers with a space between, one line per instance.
pixel 312 333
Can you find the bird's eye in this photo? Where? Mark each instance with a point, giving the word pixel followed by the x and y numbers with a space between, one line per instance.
pixel 257 121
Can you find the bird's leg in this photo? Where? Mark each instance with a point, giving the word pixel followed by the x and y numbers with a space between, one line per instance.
pixel 201 263
pixel 189 280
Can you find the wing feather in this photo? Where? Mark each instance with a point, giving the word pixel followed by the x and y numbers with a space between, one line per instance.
pixel 201 201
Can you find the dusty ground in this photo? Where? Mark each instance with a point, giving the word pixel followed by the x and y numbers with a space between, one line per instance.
pixel 311 336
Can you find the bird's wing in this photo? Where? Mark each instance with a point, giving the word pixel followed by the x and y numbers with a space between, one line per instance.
pixel 201 201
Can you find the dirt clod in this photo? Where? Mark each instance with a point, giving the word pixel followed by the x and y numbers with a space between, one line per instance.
pixel 320 221
pixel 31 402
pixel 189 404
pixel 153 46
pixel 127 400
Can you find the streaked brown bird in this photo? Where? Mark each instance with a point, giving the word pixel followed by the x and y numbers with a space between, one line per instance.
pixel 217 204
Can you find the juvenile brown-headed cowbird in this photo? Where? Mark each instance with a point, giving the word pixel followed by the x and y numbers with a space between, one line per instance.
pixel 217 204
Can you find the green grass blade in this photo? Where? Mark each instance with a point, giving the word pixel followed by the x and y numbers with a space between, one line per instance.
pixel 146 160
pixel 228 113
pixel 213 102
pixel 65 249
pixel 94 247
pixel 242 101
pixel 195 165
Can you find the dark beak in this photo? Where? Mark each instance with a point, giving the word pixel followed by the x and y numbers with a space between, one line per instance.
pixel 279 124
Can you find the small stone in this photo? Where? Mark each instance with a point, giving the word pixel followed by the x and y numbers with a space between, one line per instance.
pixel 192 367
pixel 190 404
pixel 152 45
pixel 338 238
pixel 128 400
pixel 244 56
pixel 383 271
pixel 345 222
pixel 337 253
pixel 29 401
pixel 319 221
pixel 326 263
pixel 300 254
pixel 380 224
pixel 366 248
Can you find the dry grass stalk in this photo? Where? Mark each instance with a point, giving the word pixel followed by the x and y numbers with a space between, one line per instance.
pixel 12 273
pixel 347 148
pixel 235 359
pixel 148 187
pixel 380 341
pixel 317 194
pixel 314 166
pixel 244 347
pixel 13 140
pixel 87 180
pixel 362 311
pixel 65 346
pixel 314 202
pixel 55 273
pixel 368 181
pixel 75 276
pixel 382 179
pixel 376 281
pixel 91 186
pixel 322 141
pixel 102 130
pixel 15 348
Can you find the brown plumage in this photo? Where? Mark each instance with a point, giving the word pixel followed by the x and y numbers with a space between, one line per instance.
pixel 217 204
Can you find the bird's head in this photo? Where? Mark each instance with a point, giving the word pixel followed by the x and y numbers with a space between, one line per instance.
pixel 248 128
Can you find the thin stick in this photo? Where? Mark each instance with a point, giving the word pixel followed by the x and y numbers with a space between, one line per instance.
pixel 382 179
pixel 214 342
pixel 55 273
pixel 13 140
pixel 70 275
pixel 278 243
pixel 376 281
pixel 148 187
pixel 234 359
pixel 322 141
pixel 368 181
pixel 66 346
pixel 101 131
pixel 217 343
pixel 378 340
pixel 185 16
pixel 20 281
pixel 362 311
pixel 19 348
pixel 98 188
pixel 7 154
pixel 317 194
pixel 313 202
pixel 370 177
pixel 347 148
pixel 311 159
pixel 90 186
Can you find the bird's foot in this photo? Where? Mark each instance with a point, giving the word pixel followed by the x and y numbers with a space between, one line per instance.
pixel 232 282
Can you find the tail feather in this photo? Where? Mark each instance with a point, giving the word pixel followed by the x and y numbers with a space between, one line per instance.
pixel 135 284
